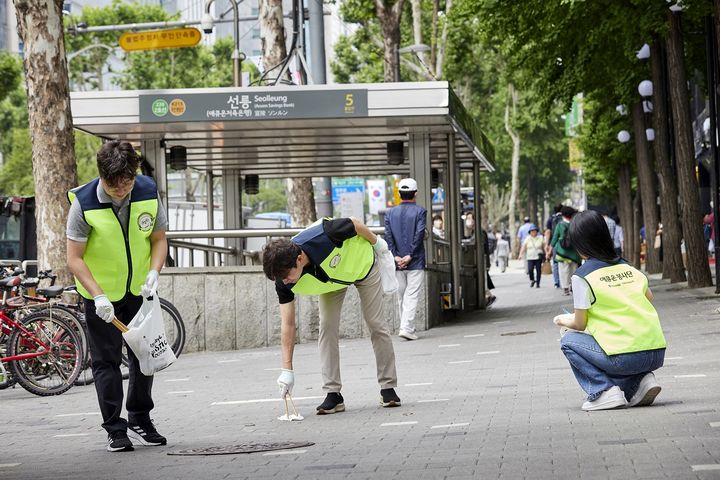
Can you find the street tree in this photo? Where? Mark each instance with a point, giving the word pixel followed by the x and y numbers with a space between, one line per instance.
pixel 389 13
pixel 605 33
pixel 697 265
pixel 673 268
pixel 40 28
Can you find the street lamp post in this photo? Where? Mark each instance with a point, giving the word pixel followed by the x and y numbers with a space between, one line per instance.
pixel 415 50
pixel 237 57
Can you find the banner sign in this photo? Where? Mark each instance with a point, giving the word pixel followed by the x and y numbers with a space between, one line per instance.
pixel 157 39
pixel 376 195
pixel 252 105
pixel 346 185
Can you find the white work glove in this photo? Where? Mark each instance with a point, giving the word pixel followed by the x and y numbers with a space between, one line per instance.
pixel 286 382
pixel 380 245
pixel 149 288
pixel 563 318
pixel 104 308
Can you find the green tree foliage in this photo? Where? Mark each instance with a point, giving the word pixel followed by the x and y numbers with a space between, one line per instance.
pixel 16 177
pixel 10 70
pixel 16 174
pixel 359 55
pixel 477 67
pixel 271 197
pixel 603 155
pixel 193 67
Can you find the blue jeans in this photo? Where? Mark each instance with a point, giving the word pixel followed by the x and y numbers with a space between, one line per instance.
pixel 556 273
pixel 596 371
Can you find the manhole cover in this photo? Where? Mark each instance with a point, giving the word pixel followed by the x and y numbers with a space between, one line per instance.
pixel 242 448
pixel 512 334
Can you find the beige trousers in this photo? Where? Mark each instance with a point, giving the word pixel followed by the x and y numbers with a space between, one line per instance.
pixel 371 301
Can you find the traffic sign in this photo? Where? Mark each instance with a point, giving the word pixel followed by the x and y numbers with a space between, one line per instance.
pixel 157 39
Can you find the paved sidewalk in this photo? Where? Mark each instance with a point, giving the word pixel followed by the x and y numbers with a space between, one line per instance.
pixel 488 396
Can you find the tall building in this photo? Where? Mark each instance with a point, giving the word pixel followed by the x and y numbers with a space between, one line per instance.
pixel 9 40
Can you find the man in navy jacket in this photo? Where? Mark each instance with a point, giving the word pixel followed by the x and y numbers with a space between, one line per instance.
pixel 405 235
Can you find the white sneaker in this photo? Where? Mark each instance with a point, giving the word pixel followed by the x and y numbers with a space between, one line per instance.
pixel 646 393
pixel 407 335
pixel 611 398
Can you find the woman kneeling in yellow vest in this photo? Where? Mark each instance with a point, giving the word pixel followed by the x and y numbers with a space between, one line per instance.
pixel 619 341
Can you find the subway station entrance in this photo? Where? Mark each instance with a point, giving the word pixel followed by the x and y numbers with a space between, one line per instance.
pixel 237 135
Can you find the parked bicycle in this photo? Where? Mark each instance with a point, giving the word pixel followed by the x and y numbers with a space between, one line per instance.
pixel 43 354
pixel 32 298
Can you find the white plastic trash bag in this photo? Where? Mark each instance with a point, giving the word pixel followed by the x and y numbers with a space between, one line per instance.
pixel 147 339
pixel 386 262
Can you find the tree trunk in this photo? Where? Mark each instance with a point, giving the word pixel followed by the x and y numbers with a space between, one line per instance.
pixel 625 209
pixel 40 26
pixel 672 264
pixel 434 39
pixel 272 37
pixel 417 25
pixel 647 188
pixel 511 110
pixel 443 43
pixel 637 221
pixel 301 199
pixel 698 269
pixel 389 17
pixel 532 205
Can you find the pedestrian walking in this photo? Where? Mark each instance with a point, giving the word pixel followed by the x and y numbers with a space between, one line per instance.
pixel 534 250
pixel 324 260
pixel 502 252
pixel 616 340
pixel 524 230
pixel 116 247
pixel 618 239
pixel 405 236
pixel 550 225
pixel 566 256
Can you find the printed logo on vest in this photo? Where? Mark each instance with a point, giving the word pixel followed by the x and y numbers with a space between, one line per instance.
pixel 335 260
pixel 145 222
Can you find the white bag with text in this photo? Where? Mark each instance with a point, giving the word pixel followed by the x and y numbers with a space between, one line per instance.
pixel 147 339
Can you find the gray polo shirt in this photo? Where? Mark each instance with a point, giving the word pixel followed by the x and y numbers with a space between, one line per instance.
pixel 78 230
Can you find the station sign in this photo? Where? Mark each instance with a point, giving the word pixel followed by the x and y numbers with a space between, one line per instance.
pixel 158 39
pixel 255 104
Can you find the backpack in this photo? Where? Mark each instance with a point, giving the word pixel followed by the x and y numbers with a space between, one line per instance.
pixel 565 241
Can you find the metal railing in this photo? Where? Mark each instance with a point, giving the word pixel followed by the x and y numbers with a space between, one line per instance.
pixel 221 255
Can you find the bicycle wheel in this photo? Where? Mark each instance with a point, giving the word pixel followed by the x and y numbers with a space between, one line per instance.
pixel 174 326
pixel 7 380
pixel 56 370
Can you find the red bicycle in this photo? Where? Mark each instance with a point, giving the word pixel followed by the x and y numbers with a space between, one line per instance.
pixel 44 353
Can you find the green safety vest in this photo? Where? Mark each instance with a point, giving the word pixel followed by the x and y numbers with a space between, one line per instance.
pixel 119 261
pixel 621 319
pixel 344 265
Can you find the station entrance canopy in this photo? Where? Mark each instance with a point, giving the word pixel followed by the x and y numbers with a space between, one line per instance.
pixel 312 131
pixel 417 129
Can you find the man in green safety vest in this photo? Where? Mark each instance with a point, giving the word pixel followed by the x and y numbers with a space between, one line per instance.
pixel 325 259
pixel 116 247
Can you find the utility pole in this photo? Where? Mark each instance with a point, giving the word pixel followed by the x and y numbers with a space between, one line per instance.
pixel 323 197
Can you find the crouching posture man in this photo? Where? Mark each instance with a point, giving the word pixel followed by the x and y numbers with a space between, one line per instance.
pixel 325 259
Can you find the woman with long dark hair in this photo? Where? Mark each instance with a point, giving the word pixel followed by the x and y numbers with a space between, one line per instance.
pixel 614 341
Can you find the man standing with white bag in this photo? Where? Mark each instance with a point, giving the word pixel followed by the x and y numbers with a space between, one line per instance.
pixel 116 248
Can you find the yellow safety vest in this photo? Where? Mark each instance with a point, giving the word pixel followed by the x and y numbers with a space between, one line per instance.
pixel 344 264
pixel 119 261
pixel 621 319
